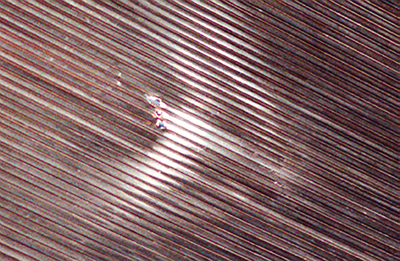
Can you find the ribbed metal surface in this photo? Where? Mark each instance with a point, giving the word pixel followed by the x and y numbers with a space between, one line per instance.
pixel 282 143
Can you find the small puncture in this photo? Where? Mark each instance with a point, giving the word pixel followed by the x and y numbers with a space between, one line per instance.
pixel 162 118
pixel 161 124
pixel 156 102
pixel 160 114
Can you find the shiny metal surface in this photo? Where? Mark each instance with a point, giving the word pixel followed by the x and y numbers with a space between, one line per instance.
pixel 282 139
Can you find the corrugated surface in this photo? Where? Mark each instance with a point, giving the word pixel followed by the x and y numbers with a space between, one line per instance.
pixel 283 142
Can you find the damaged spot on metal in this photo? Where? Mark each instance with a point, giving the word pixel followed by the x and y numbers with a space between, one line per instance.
pixel 199 130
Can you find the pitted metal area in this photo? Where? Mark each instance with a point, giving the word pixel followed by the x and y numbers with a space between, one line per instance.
pixel 199 130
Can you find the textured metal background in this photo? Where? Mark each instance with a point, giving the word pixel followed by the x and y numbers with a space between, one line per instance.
pixel 282 143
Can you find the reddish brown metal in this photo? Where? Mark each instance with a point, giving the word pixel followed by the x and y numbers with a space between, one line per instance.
pixel 282 140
